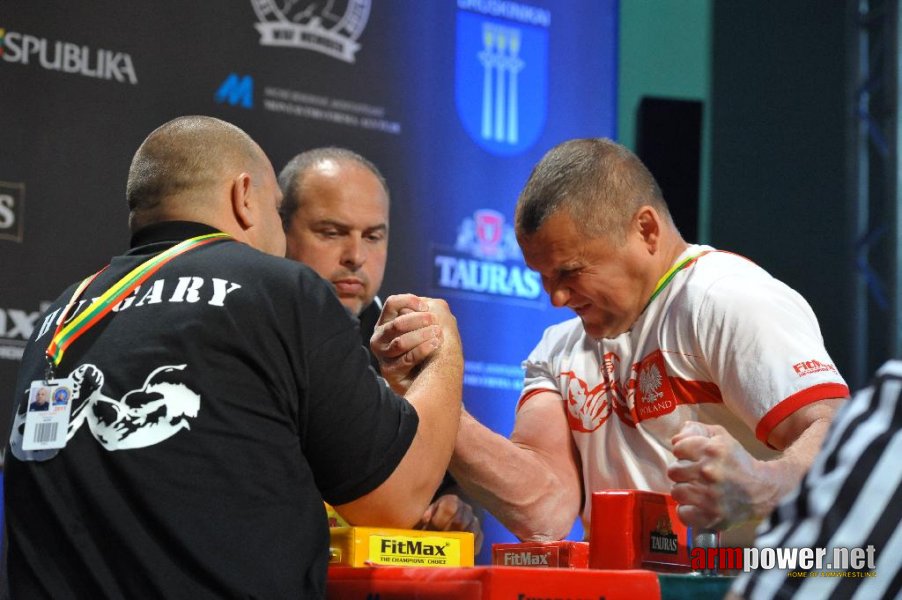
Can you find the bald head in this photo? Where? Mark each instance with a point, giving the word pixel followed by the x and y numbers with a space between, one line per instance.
pixel 335 214
pixel 293 176
pixel 183 164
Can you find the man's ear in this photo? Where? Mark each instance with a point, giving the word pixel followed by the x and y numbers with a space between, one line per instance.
pixel 243 201
pixel 648 224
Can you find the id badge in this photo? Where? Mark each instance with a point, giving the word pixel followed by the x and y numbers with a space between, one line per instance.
pixel 47 414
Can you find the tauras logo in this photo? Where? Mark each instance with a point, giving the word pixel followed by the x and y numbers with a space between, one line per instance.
pixel 486 260
pixel 489 278
pixel 523 559
pixel 663 543
pixel 662 538
pixel 412 548
pixel 26 49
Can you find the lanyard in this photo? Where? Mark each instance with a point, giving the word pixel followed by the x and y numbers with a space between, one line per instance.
pixel 671 273
pixel 64 336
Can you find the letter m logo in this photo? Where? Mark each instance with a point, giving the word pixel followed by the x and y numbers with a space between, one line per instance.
pixel 237 91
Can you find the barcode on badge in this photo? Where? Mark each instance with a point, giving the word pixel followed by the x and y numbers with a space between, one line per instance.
pixel 44 432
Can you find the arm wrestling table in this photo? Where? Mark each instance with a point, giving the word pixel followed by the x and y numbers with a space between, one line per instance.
pixel 638 550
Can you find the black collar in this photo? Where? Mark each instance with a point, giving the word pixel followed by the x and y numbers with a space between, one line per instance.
pixel 169 232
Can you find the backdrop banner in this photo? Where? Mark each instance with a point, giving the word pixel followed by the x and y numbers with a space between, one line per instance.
pixel 454 100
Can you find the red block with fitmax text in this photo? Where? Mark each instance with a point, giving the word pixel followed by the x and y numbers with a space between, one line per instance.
pixel 562 554
pixel 633 529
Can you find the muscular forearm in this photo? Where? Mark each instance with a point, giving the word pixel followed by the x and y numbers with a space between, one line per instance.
pixel 717 483
pixel 514 483
pixel 787 471
pixel 436 394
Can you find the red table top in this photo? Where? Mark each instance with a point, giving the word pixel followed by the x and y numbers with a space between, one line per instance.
pixel 489 583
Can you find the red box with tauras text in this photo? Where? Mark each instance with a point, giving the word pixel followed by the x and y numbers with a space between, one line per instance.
pixel 563 554
pixel 633 529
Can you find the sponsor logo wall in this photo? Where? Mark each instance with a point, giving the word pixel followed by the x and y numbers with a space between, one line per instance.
pixel 12 211
pixel 53 55
pixel 455 100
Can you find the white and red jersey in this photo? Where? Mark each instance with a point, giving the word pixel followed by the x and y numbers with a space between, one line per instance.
pixel 721 342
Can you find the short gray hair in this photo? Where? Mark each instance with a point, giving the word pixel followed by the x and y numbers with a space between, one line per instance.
pixel 599 182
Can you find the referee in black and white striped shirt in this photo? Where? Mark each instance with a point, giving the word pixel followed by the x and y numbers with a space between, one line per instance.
pixel 851 498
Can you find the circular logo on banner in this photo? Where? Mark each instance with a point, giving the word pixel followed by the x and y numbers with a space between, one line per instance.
pixel 317 26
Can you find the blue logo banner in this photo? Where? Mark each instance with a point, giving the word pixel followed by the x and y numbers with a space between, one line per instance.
pixel 501 82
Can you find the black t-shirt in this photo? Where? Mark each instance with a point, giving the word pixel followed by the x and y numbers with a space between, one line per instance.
pixel 215 411
pixel 368 319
